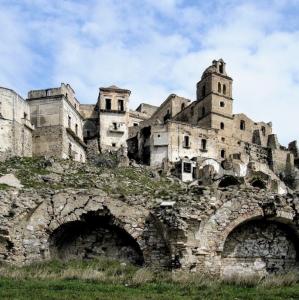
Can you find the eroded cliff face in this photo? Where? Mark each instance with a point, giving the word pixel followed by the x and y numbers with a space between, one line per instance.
pixel 67 210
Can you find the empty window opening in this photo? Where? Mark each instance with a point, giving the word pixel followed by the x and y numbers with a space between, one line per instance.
pixel 182 106
pixel 203 144
pixel 203 92
pixel 263 130
pixel 69 121
pixel 242 125
pixel 258 183
pixel 222 125
pixel 222 153
pixel 224 89
pixel 223 139
pixel 121 105
pixel 228 181
pixel 186 141
pixel 76 129
pixel 108 104
pixel 203 111
pixel 167 116
pixel 221 68
pixel 25 116
pixel 113 144
pixel 187 167
pixel 219 87
pixel 222 104
pixel 237 156
pixel 135 124
pixel 114 125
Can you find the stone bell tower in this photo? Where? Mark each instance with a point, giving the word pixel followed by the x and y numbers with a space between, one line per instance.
pixel 214 94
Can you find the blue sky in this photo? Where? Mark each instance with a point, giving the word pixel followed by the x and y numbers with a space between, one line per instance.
pixel 155 48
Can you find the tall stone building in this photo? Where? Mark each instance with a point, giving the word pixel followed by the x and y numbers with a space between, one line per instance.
pixel 58 123
pixel 15 125
pixel 113 117
pixel 206 131
pixel 180 134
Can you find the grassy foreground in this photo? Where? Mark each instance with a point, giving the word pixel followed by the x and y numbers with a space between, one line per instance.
pixel 108 279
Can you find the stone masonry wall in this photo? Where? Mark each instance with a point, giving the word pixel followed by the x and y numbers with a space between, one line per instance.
pixel 211 231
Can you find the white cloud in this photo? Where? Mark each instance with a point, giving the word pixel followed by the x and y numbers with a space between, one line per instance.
pixel 155 48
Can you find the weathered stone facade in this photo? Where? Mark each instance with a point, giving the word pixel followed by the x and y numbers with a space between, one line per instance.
pixel 207 129
pixel 58 123
pixel 238 213
pixel 221 232
pixel 15 125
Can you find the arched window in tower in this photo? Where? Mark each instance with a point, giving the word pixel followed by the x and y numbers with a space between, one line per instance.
pixel 219 87
pixel 182 106
pixel 222 125
pixel 224 89
pixel 222 153
pixel 221 67
pixel 203 92
pixel 203 111
pixel 242 125
pixel 263 130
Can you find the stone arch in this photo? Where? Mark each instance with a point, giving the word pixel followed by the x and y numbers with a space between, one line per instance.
pixel 260 246
pixel 94 235
pixel 89 129
pixel 227 181
pixel 258 183
pixel 219 87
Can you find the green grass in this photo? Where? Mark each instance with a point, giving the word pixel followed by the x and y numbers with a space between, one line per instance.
pixel 110 279
pixel 4 186
pixel 79 289
pixel 126 181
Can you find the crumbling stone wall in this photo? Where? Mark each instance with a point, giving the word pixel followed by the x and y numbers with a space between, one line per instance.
pixel 15 125
pixel 208 230
pixel 259 247
pixel 94 236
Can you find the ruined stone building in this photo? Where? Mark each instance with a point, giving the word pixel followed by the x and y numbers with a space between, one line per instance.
pixel 206 132
pixel 15 125
pixel 58 123
pixel 181 135
pixel 237 213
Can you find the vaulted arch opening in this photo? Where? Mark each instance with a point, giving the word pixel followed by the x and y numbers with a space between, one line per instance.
pixel 94 236
pixel 258 183
pixel 227 181
pixel 89 130
pixel 260 247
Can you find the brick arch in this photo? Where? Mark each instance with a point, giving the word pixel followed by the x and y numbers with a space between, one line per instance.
pixel 260 246
pixel 66 207
pixel 92 234
pixel 212 238
pixel 256 215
